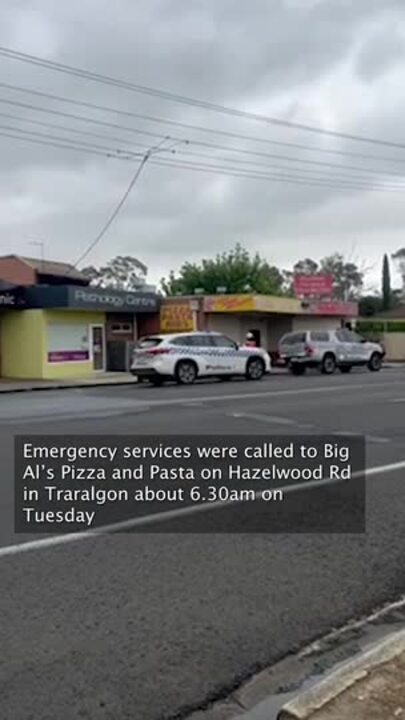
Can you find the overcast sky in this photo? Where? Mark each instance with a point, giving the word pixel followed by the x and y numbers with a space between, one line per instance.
pixel 336 64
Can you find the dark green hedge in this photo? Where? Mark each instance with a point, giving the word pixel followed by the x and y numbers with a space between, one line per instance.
pixel 380 326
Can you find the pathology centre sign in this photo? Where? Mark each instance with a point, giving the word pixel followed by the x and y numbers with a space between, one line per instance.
pixel 7 299
pixel 114 300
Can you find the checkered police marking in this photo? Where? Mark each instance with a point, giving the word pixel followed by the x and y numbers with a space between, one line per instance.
pixel 210 352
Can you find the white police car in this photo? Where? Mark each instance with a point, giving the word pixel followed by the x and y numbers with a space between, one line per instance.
pixel 185 357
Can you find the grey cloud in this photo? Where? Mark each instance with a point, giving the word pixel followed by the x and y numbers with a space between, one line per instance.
pixel 384 48
pixel 268 56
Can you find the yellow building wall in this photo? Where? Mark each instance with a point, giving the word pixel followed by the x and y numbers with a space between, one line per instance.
pixel 22 344
pixel 69 369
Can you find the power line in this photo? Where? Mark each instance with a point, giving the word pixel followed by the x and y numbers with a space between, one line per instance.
pixel 200 143
pixel 115 212
pixel 254 163
pixel 63 146
pixel 127 154
pixel 336 183
pixel 164 95
pixel 187 126
pixel 81 118
pixel 148 154
pixel 116 151
pixel 271 166
pixel 33 121
pixel 296 179
pixel 305 161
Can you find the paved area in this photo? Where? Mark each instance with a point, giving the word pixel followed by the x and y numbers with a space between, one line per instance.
pixel 378 696
pixel 107 378
pixel 149 626
pixel 104 379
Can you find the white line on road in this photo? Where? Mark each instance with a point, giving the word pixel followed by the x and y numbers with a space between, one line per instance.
pixel 398 400
pixel 144 405
pixel 174 514
pixel 264 418
pixel 368 438
pixel 287 421
pixel 60 417
pixel 313 389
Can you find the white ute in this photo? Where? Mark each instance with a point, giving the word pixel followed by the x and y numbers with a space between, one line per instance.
pixel 184 357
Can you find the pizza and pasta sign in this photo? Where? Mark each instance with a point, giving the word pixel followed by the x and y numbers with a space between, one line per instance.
pixel 176 318
pixel 313 286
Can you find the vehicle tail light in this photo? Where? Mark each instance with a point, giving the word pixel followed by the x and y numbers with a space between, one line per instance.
pixel 158 351
pixel 309 350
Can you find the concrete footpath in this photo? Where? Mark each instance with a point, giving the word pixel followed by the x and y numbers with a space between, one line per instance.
pixel 369 687
pixel 104 378
pixel 107 378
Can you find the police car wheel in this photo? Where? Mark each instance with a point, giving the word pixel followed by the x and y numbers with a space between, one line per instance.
pixel 255 369
pixel 186 372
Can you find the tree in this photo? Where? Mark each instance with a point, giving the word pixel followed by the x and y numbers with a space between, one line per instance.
pixel 370 305
pixel 121 273
pixel 399 258
pixel 386 285
pixel 236 271
pixel 348 278
pixel 306 267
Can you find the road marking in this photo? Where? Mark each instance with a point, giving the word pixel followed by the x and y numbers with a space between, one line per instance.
pixel 265 418
pixel 193 404
pixel 139 405
pixel 346 432
pixel 313 389
pixel 156 518
pixel 377 439
pixel 398 400
pixel 60 417
pixel 368 438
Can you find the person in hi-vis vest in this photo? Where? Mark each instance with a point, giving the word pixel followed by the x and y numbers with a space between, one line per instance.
pixel 250 340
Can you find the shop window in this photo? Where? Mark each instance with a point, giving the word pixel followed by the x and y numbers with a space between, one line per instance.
pixel 68 342
pixel 121 328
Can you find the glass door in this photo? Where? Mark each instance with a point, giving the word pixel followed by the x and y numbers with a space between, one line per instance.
pixel 97 344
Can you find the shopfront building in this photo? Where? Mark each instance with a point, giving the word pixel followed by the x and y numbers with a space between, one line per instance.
pixel 69 331
pixel 268 317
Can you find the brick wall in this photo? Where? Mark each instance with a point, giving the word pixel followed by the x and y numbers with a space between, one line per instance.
pixel 148 324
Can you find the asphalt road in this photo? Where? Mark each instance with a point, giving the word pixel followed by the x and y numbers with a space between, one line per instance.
pixel 144 626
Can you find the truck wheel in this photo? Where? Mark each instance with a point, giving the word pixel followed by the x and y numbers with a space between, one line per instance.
pixel 375 362
pixel 186 372
pixel 255 369
pixel 328 365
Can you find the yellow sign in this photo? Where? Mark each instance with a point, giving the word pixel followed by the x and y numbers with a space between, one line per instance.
pixel 251 303
pixel 229 303
pixel 275 304
pixel 176 318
